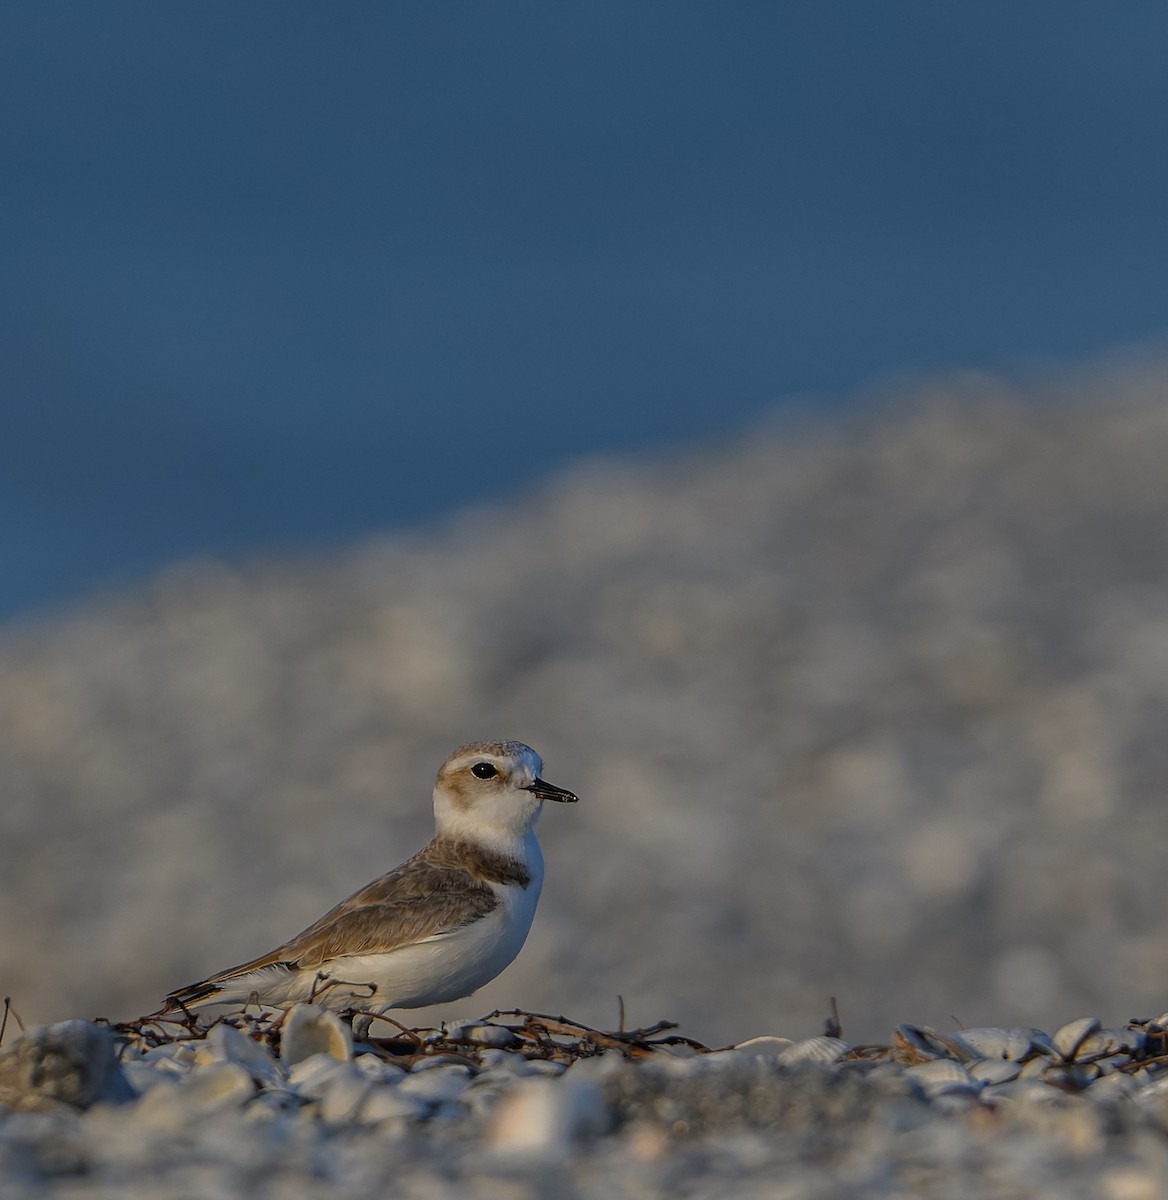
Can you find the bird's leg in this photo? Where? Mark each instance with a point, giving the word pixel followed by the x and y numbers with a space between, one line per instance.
pixel 324 982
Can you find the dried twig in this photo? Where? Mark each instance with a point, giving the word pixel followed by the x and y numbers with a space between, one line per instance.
pixel 540 1035
pixel 412 1035
pixel 832 1027
pixel 543 1029
pixel 15 1016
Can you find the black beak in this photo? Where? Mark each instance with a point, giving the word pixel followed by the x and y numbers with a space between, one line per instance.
pixel 549 791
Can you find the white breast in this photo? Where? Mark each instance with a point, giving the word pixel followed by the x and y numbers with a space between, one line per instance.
pixel 451 965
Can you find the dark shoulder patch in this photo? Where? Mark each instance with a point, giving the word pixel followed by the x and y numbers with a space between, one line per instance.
pixel 498 868
pixel 481 864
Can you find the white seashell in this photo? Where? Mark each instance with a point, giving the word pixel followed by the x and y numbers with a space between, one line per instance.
pixel 1074 1076
pixel 1023 1091
pixel 268 1107
pixel 309 1030
pixel 1035 1068
pixel 222 1085
pixel 504 1062
pixel 438 1085
pixel 377 1069
pixel 959 1100
pixel 539 1119
pixel 482 1101
pixel 169 1067
pixel 994 1070
pixel 344 1097
pixel 483 1035
pixel 142 1076
pixel 391 1104
pixel 173 1055
pixel 448 1112
pixel 920 1042
pixel 941 1077
pixel 1152 1091
pixel 433 1061
pixel 815 1049
pixel 598 1068
pixel 541 1066
pixel 312 1077
pixel 493 1035
pixel 1142 1076
pixel 224 1044
pixel 676 1053
pixel 1068 1038
pixel 72 1062
pixel 763 1047
pixel 1105 1042
pixel 1116 1086
pixel 686 1067
pixel 1012 1044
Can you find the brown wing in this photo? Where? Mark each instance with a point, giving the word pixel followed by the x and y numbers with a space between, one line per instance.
pixel 423 898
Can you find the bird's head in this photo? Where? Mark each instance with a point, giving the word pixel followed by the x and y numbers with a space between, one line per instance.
pixel 491 792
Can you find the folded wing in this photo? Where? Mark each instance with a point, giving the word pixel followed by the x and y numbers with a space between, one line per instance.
pixel 423 899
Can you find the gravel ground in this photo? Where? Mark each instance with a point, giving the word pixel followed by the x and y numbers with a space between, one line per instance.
pixel 256 1109
pixel 871 708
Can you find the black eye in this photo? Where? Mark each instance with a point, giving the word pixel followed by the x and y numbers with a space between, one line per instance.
pixel 484 770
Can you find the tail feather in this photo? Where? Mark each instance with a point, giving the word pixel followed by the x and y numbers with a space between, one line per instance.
pixel 233 984
pixel 193 993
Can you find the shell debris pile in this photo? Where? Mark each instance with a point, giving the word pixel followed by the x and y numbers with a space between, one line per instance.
pixel 302 1102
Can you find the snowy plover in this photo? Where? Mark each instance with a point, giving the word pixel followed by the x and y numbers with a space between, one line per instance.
pixel 434 929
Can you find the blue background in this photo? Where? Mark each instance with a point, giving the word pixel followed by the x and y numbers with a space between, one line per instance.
pixel 277 274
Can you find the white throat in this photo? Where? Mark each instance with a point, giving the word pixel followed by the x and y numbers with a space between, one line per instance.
pixel 503 822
